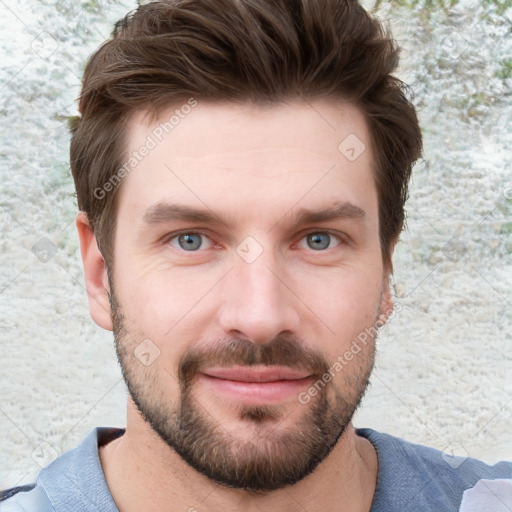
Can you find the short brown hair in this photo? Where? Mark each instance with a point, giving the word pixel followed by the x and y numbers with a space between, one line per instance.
pixel 264 51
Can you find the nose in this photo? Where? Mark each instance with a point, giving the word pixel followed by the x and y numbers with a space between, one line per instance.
pixel 258 301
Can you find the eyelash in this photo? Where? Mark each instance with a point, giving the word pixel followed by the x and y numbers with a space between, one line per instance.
pixel 341 239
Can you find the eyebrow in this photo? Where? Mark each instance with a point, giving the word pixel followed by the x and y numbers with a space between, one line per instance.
pixel 344 210
pixel 164 212
pixel 167 212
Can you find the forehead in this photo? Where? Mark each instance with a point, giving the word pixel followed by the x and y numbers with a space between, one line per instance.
pixel 244 158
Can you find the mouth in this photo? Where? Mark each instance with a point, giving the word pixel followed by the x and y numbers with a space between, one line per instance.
pixel 261 385
pixel 256 374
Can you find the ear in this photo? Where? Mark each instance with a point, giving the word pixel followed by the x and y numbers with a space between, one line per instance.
pixel 386 302
pixel 95 272
pixel 387 305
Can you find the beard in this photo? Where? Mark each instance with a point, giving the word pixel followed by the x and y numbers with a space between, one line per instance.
pixel 266 455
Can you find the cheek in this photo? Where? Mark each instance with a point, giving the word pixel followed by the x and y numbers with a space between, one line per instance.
pixel 347 301
pixel 169 307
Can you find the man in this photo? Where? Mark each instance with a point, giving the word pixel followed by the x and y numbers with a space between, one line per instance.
pixel 241 170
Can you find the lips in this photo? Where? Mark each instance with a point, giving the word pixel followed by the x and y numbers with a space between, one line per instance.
pixel 256 385
pixel 256 374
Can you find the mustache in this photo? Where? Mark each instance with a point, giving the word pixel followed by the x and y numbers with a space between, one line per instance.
pixel 282 351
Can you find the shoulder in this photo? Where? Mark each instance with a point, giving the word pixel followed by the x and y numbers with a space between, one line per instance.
pixel 74 481
pixel 8 493
pixel 25 498
pixel 412 475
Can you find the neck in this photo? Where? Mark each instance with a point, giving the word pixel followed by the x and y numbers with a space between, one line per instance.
pixel 143 473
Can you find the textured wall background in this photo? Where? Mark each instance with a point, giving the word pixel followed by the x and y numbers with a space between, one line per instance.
pixel 443 373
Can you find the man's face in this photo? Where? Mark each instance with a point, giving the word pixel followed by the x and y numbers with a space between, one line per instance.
pixel 247 261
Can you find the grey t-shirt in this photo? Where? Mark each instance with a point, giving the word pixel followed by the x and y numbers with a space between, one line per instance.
pixel 411 478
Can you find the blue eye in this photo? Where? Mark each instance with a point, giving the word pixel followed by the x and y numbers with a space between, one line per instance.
pixel 320 240
pixel 189 241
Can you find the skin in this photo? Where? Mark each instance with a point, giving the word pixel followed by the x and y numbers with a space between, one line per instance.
pixel 255 167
